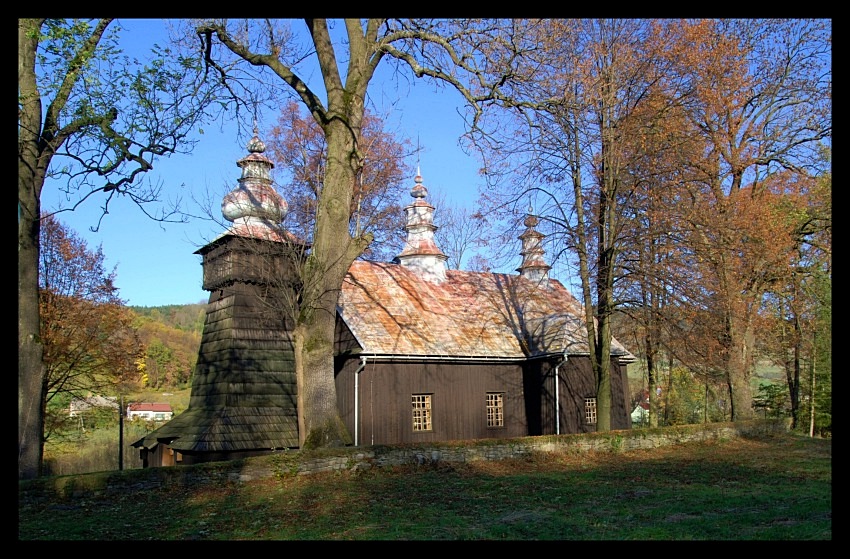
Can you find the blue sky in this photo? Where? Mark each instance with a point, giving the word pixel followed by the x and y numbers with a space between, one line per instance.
pixel 156 264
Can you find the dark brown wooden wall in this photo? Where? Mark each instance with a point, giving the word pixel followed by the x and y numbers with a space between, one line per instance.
pixel 233 259
pixel 577 382
pixel 459 398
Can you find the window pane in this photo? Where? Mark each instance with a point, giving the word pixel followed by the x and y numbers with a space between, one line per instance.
pixel 590 411
pixel 421 412
pixel 495 409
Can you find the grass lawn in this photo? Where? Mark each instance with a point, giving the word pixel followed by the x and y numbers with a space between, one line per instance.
pixel 775 488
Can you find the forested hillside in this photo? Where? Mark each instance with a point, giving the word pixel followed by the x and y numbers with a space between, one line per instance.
pixel 171 336
pixel 189 318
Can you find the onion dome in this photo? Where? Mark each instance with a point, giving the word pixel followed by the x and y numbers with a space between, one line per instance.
pixel 254 202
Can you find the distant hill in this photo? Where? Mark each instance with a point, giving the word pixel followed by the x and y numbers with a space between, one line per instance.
pixel 171 335
pixel 188 318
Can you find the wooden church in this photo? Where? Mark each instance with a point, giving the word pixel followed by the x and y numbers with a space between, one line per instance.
pixel 422 353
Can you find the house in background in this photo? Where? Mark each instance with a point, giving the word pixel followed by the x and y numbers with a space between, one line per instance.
pixel 640 414
pixel 422 353
pixel 79 406
pixel 149 411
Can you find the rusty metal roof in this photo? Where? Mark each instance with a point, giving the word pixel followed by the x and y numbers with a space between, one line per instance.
pixel 394 312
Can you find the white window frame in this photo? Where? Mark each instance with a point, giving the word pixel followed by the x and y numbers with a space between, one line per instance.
pixel 495 410
pixel 422 416
pixel 590 416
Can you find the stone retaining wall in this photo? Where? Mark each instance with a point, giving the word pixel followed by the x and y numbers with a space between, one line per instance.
pixel 288 463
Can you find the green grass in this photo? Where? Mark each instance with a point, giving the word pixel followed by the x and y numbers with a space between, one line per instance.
pixel 776 488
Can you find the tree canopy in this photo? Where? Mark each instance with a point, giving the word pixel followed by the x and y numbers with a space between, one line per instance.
pixel 90 344
pixel 96 120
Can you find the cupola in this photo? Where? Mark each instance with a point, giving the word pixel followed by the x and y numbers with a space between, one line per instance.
pixel 244 252
pixel 420 252
pixel 533 266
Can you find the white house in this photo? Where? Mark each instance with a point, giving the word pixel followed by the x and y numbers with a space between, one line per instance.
pixel 149 411
pixel 640 415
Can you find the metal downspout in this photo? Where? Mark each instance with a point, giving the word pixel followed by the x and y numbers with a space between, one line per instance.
pixel 357 400
pixel 557 397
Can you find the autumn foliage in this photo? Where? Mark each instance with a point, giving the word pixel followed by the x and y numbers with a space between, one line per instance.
pixel 90 345
pixel 672 162
pixel 298 147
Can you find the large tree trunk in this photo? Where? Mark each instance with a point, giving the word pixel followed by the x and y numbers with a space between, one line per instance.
pixel 30 349
pixel 30 181
pixel 739 303
pixel 602 360
pixel 603 348
pixel 739 367
pixel 319 421
pixel 603 402
pixel 605 282
pixel 332 253
pixel 30 375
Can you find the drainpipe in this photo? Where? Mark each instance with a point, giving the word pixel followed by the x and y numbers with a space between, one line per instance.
pixel 557 398
pixel 357 400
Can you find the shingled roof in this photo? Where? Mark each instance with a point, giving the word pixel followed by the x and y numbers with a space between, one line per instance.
pixel 226 429
pixel 393 311
pixel 415 307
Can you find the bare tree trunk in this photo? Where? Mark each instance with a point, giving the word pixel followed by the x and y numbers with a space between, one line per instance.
pixel 332 254
pixel 30 181
pixel 604 400
pixel 319 422
pixel 31 372
pixel 812 394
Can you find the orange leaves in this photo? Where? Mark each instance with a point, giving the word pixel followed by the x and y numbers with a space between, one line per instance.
pixel 298 147
pixel 88 337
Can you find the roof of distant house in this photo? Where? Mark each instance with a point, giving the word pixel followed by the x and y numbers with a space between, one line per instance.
pixel 149 406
